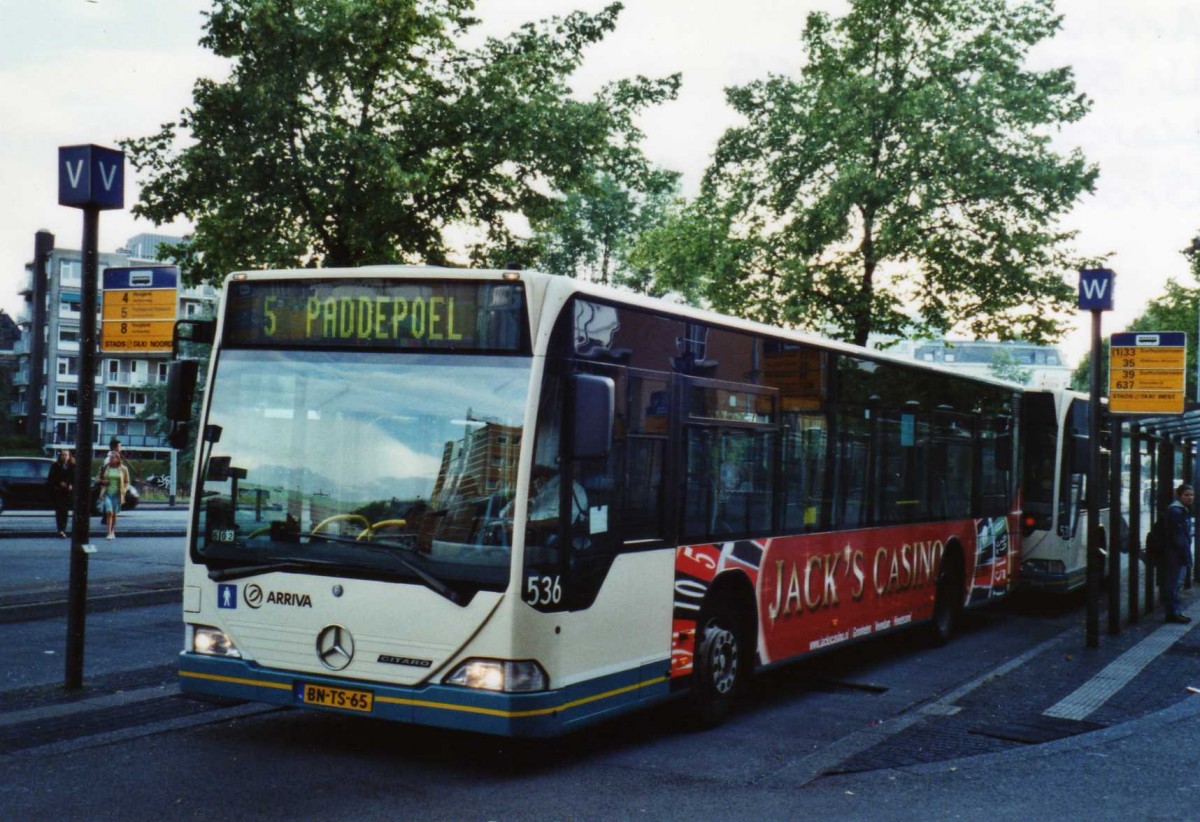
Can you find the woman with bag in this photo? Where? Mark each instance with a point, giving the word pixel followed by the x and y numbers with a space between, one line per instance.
pixel 114 483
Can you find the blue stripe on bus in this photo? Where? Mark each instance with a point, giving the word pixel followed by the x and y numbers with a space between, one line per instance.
pixel 547 713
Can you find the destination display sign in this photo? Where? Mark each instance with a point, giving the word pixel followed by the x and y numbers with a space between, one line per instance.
pixel 138 309
pixel 1146 372
pixel 367 313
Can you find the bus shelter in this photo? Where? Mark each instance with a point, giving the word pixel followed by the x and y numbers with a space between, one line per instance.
pixel 1152 455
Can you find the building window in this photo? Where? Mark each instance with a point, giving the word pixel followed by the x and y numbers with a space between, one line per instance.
pixel 68 367
pixel 66 399
pixel 70 272
pixel 68 335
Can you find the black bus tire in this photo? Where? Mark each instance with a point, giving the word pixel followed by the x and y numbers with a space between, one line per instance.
pixel 947 603
pixel 720 670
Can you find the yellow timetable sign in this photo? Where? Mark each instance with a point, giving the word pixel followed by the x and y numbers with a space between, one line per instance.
pixel 1145 402
pixel 136 336
pixel 1146 379
pixel 155 304
pixel 1146 372
pixel 1127 357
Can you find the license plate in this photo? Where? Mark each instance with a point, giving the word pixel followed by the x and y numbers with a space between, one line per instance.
pixel 328 697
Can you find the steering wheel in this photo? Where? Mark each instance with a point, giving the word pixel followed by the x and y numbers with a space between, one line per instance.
pixel 368 532
pixel 340 518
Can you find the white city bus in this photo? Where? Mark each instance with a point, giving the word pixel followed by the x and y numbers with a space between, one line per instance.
pixel 1054 523
pixel 516 503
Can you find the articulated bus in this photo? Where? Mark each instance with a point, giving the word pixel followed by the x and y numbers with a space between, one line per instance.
pixel 517 504
pixel 1054 523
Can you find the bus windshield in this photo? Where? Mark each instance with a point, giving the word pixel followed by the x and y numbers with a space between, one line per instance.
pixel 380 464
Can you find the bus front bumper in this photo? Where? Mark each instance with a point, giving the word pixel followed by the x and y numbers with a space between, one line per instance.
pixel 542 714
pixel 1050 576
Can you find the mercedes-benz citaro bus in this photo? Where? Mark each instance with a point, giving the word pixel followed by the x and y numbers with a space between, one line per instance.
pixel 517 503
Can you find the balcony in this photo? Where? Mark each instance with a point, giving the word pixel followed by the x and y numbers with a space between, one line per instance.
pixel 124 410
pixel 123 379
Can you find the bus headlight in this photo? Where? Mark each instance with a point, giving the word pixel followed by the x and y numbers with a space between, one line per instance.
pixel 211 642
pixel 509 676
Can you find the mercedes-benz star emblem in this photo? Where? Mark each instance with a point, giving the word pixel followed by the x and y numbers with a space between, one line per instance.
pixel 335 647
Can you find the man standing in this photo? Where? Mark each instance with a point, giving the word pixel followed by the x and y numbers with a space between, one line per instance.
pixel 62 478
pixel 1175 563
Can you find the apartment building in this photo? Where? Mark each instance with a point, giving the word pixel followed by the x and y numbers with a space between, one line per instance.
pixel 122 382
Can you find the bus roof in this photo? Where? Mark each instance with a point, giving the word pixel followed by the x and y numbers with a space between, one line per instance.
pixel 560 288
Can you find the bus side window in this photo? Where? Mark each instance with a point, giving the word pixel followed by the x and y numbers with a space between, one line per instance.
pixel 645 454
pixel 803 472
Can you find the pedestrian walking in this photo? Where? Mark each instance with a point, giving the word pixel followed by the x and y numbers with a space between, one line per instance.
pixel 62 480
pixel 1180 526
pixel 114 483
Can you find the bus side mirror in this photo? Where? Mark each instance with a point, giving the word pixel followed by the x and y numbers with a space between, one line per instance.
pixel 592 403
pixel 200 332
pixel 181 389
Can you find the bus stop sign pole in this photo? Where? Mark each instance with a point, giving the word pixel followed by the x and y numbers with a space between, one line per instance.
pixel 90 178
pixel 1096 296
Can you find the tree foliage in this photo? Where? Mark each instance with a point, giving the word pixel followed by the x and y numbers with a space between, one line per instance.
pixel 905 181
pixel 591 235
pixel 359 131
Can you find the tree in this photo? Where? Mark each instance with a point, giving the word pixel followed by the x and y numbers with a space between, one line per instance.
pixel 1005 367
pixel 359 131
pixel 905 181
pixel 591 232
pixel 689 253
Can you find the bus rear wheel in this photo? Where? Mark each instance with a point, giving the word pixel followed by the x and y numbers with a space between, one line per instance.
pixel 947 604
pixel 719 668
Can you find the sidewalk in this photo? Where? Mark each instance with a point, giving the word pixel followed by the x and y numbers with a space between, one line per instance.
pixel 1059 692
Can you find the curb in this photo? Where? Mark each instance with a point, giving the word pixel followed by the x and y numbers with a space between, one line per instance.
pixel 97 535
pixel 51 602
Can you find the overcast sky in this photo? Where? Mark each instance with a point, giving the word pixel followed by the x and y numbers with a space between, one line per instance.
pixel 75 71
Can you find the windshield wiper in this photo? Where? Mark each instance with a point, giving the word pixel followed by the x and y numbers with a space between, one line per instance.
pixel 393 550
pixel 243 571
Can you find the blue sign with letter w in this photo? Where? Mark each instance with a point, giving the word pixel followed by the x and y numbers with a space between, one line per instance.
pixel 1096 289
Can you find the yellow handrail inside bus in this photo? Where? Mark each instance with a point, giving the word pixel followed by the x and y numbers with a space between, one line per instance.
pixel 370 530
pixel 340 517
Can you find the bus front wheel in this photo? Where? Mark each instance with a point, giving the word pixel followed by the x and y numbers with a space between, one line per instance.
pixel 719 667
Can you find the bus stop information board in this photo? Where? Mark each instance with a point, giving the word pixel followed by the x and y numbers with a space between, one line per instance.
pixel 1146 372
pixel 138 309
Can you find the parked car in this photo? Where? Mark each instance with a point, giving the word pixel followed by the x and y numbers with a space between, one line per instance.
pixel 24 484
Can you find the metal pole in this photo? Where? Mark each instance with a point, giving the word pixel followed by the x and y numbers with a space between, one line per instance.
pixel 1152 567
pixel 77 592
pixel 1135 515
pixel 1114 526
pixel 1094 569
